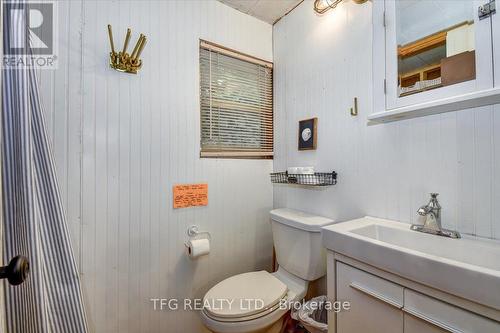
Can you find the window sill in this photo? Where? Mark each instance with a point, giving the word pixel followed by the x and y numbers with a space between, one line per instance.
pixel 237 155
pixel 456 103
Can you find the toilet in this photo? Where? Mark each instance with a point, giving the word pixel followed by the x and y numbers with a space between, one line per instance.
pixel 256 301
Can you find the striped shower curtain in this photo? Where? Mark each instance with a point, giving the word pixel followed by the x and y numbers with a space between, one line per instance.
pixel 50 300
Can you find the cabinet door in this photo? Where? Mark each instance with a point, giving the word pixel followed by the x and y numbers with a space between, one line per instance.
pixel 496 45
pixel 435 50
pixel 415 325
pixel 375 303
pixel 431 312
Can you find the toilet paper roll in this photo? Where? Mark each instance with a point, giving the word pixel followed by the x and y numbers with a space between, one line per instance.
pixel 197 247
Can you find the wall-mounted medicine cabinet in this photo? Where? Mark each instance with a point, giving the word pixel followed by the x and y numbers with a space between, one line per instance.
pixel 434 56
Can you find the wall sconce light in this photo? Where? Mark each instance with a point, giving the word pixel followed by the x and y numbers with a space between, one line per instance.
pixel 321 6
pixel 122 61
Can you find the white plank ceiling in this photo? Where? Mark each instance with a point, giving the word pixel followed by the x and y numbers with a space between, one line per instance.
pixel 269 11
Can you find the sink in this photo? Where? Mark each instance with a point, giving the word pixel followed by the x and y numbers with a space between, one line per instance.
pixel 473 251
pixel 468 267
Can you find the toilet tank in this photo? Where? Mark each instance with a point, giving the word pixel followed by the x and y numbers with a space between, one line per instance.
pixel 297 242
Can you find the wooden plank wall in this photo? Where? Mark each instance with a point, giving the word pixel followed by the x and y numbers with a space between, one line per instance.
pixel 121 141
pixel 321 63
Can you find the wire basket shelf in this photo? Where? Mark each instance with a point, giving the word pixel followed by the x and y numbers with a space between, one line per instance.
pixel 315 179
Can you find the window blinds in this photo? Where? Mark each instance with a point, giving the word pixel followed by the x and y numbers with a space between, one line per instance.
pixel 236 97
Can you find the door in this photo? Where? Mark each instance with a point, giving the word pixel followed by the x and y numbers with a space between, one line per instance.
pixel 3 326
pixel 375 303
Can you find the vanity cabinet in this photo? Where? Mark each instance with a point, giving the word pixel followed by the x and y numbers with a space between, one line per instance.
pixel 380 304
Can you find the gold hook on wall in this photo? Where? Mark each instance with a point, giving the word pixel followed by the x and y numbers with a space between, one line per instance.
pixel 122 61
pixel 354 109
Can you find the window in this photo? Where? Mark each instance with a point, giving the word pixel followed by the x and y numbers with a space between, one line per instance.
pixel 236 101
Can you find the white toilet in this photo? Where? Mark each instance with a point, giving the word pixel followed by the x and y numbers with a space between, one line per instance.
pixel 253 302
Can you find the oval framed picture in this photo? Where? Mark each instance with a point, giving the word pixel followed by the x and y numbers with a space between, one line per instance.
pixel 308 134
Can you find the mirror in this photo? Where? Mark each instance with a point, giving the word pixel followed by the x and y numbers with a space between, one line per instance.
pixel 436 51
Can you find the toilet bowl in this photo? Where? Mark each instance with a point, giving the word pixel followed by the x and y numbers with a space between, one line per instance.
pixel 256 302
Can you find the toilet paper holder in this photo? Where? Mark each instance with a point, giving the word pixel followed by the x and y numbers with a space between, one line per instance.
pixel 194 232
pixel 196 245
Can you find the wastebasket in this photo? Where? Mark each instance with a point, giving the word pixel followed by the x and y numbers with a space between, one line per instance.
pixel 313 315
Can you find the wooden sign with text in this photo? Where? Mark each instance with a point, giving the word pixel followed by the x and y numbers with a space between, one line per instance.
pixel 190 195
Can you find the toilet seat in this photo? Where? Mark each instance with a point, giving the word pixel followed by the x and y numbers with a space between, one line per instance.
pixel 296 290
pixel 244 296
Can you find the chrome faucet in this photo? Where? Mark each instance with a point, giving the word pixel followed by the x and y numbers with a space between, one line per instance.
pixel 432 213
pixel 432 224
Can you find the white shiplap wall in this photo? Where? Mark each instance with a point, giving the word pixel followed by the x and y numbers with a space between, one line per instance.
pixel 321 64
pixel 121 141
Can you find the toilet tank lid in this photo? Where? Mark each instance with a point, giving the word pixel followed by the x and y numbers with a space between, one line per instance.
pixel 300 220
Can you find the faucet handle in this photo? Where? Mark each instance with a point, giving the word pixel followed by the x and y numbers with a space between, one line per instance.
pixel 434 195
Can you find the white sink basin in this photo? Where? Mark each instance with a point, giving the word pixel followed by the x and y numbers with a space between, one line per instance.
pixel 468 267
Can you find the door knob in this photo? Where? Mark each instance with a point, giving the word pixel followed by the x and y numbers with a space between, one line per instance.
pixel 16 271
